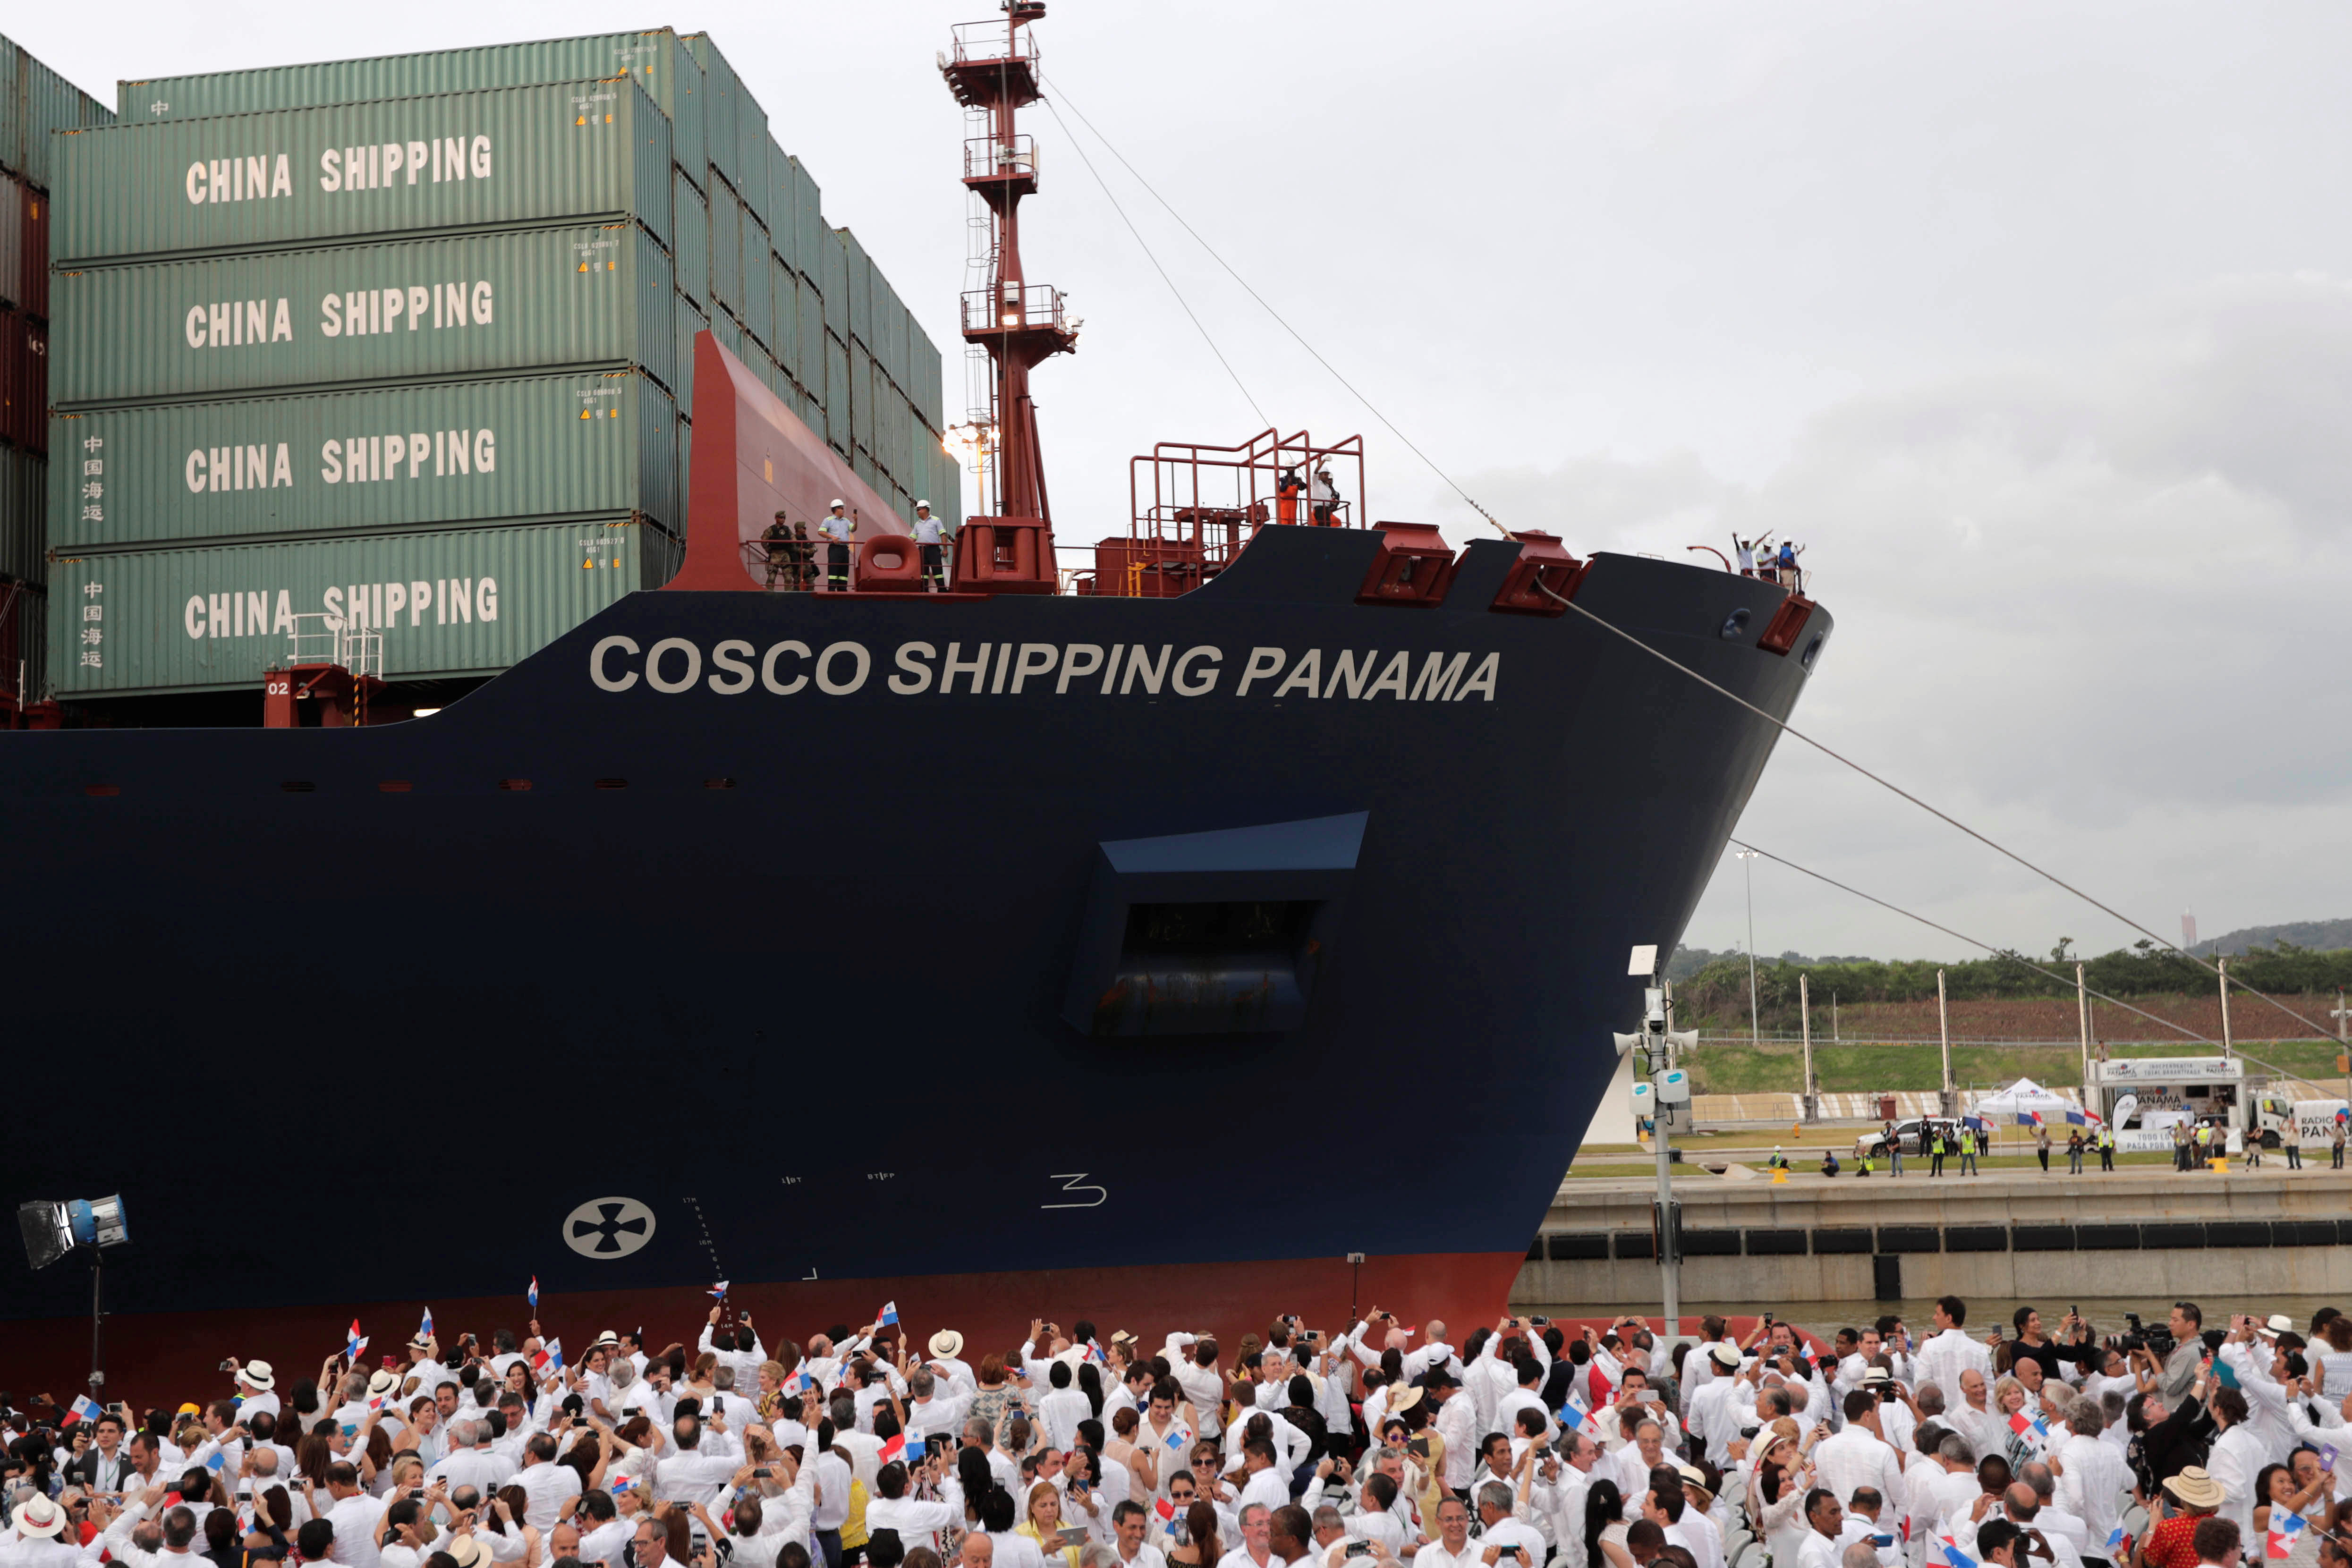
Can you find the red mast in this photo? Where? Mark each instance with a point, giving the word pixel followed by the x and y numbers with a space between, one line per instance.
pixel 993 71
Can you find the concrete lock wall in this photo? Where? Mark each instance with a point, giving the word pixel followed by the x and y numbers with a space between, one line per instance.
pixel 2117 1235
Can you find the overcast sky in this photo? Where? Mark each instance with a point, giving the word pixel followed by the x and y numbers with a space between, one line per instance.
pixel 2033 322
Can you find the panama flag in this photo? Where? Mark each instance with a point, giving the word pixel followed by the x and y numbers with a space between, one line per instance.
pixel 1952 1554
pixel 549 1357
pixel 1974 1123
pixel 2115 1543
pixel 355 1342
pixel 1166 1511
pixel 532 1295
pixel 1094 1352
pixel 1178 1439
pixel 889 1313
pixel 83 1408
pixel 1576 1417
pixel 2029 1118
pixel 425 1329
pixel 893 1450
pixel 2075 1118
pixel 2282 1537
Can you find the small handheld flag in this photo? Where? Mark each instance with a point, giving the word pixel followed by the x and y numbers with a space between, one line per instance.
pixel 1178 1439
pixel 1575 1417
pixel 532 1295
pixel 623 1483
pixel 892 1450
pixel 425 1330
pixel 889 1313
pixel 83 1408
pixel 1953 1556
pixel 214 1464
pixel 1166 1511
pixel 355 1342
pixel 718 1292
pixel 2116 1539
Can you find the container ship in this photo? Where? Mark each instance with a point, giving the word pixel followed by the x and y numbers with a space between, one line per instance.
pixel 1234 924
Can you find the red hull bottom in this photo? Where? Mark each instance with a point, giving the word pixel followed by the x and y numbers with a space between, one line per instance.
pixel 153 1357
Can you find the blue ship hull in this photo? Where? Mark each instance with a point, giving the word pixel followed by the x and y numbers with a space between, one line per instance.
pixel 348 1018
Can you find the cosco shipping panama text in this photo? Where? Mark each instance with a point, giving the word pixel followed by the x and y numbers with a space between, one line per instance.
pixel 677 664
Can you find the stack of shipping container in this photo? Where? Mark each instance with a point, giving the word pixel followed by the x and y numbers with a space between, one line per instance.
pixel 403 346
pixel 35 101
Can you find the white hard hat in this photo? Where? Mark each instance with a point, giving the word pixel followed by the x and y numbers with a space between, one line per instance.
pixel 837 501
pixel 924 504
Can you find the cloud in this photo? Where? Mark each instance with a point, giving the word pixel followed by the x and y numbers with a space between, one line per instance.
pixel 2088 602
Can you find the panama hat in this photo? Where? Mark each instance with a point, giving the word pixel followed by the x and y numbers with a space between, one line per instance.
pixel 947 1345
pixel 2193 1488
pixel 39 1516
pixel 258 1374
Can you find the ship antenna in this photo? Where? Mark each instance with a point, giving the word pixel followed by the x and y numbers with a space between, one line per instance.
pixel 993 72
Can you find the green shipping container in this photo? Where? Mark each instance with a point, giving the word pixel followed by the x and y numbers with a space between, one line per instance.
pixel 924 368
pixel 811 369
pixel 809 230
pixel 758 293
pixel 837 394
pixel 783 236
pixel 859 271
pixel 661 64
pixel 784 306
pixel 432 308
pixel 726 248
pixel 36 104
pixel 480 160
pixel 723 101
pixel 833 284
pixel 529 449
pixel 690 209
pixel 442 603
pixel 861 396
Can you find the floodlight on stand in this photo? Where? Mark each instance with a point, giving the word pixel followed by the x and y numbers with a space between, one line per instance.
pixel 53 1230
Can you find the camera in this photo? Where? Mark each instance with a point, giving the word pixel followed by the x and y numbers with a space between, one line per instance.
pixel 2159 1341
pixel 228 1367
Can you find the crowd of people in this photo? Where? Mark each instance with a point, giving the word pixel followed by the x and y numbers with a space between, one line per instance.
pixel 1529 1443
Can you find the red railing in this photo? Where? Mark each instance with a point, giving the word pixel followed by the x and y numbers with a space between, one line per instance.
pixel 1194 507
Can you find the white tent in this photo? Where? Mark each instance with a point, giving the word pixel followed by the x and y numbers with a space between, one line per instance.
pixel 2021 1098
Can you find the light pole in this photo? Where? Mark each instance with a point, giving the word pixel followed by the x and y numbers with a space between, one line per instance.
pixel 1748 870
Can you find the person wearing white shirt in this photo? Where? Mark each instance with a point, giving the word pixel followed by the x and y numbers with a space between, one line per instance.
pixel 1130 1529
pixel 1948 1352
pixel 36 1540
pixel 2236 1459
pixel 606 1539
pixel 1847 1462
pixel 1863 1524
pixel 1192 1363
pixel 1452 1548
pixel 1265 1485
pixel 1498 1527
pixel 932 1408
pixel 548 1484
pixel 2019 1508
pixel 2093 1478
pixel 1292 1447
pixel 1972 1416
pixel 705 1461
pixel 1433 1352
pixel 892 1509
pixel 1063 1407
pixel 737 1347
pixel 353 1513
pixel 1823 1520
